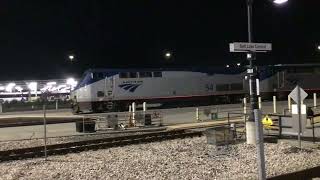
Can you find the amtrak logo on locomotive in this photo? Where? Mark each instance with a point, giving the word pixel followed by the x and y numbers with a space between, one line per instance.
pixel 130 86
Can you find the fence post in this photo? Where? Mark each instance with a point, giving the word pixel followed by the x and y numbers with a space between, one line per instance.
pixel 289 103
pixel 244 105
pixel 274 104
pixel 197 114
pixel 144 105
pixel 259 100
pixel 45 131
pixel 314 100
pixel 57 107
pixel 133 113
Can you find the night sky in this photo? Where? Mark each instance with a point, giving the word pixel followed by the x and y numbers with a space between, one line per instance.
pixel 37 36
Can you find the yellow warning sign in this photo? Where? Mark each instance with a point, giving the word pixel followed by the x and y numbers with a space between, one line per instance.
pixel 267 122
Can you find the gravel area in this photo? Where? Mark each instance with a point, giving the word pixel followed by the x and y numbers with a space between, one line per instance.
pixel 8 145
pixel 190 158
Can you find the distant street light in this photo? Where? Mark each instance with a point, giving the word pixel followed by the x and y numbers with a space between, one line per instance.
pixel 167 55
pixel 227 65
pixel 238 64
pixel 71 57
pixel 318 47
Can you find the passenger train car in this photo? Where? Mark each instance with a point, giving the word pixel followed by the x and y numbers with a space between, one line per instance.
pixel 102 90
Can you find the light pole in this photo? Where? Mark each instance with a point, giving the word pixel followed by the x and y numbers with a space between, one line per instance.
pixel 250 125
pixel 254 131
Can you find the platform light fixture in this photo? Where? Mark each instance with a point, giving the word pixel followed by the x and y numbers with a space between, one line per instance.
pixel 51 83
pixel 19 88
pixel 238 64
pixel 227 65
pixel 10 86
pixel 71 57
pixel 279 2
pixel 33 86
pixel 72 83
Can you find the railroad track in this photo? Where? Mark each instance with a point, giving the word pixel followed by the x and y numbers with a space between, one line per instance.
pixel 299 175
pixel 73 147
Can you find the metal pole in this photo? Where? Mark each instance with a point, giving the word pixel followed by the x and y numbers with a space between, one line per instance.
pixel 299 116
pixel 144 112
pixel 133 113
pixel 83 126
pixel 45 131
pixel 57 104
pixel 314 100
pixel 197 114
pixel 260 146
pixel 244 105
pixel 289 103
pixel 250 124
pixel 259 100
pixel 274 104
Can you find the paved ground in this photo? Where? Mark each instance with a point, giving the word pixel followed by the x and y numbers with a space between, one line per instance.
pixel 170 117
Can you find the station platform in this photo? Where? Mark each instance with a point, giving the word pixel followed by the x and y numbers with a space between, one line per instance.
pixel 36 118
pixel 197 125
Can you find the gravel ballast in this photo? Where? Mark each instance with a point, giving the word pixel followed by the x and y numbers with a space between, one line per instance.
pixel 27 143
pixel 190 158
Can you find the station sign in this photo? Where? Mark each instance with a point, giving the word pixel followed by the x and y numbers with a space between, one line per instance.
pixel 250 47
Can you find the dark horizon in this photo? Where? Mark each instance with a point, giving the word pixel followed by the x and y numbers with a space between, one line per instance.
pixel 37 37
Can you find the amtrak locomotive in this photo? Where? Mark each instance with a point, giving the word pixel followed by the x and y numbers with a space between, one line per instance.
pixel 102 90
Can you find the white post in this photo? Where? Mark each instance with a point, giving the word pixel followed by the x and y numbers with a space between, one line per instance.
pixel 133 113
pixel 197 114
pixel 244 105
pixel 314 100
pixel 259 100
pixel 1 107
pixel 45 131
pixel 274 104
pixel 57 104
pixel 289 103
pixel 144 106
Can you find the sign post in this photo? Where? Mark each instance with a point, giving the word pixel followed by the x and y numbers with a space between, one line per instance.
pixel 298 95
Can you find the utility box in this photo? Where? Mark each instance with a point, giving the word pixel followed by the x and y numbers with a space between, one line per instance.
pixel 214 116
pixel 89 126
pixel 112 120
pixel 147 120
pixel 219 136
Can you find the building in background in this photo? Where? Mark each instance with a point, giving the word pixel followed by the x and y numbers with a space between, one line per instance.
pixel 31 90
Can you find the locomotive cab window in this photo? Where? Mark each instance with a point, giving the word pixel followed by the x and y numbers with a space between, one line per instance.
pixel 145 74
pixel 123 75
pixel 100 94
pixel 132 75
pixel 157 74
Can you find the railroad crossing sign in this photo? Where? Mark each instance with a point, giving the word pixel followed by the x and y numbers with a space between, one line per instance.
pixel 267 122
pixel 250 47
pixel 294 94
